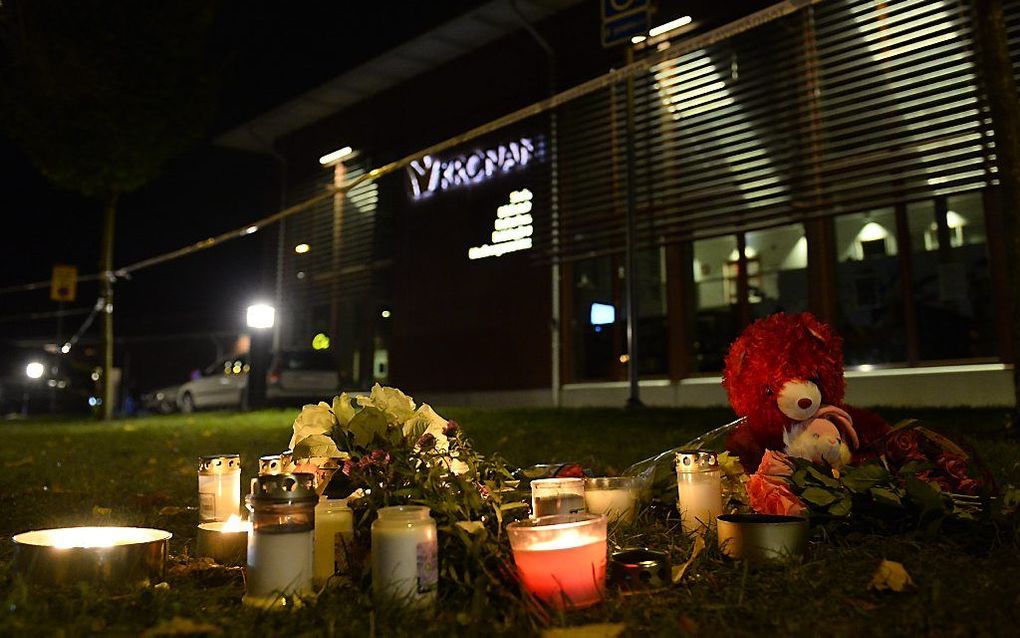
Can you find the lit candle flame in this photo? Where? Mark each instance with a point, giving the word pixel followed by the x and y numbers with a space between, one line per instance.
pixel 235 524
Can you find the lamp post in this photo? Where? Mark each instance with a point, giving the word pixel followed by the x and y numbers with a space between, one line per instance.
pixel 261 317
pixel 34 371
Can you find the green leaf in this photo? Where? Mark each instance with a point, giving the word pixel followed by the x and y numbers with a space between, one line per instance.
pixel 885 496
pixel 927 496
pixel 800 478
pixel 366 424
pixel 316 446
pixel 841 507
pixel 821 477
pixel 818 496
pixel 863 478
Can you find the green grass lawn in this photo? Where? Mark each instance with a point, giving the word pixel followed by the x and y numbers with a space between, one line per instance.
pixel 62 473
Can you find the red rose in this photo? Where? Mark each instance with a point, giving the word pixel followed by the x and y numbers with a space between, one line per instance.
pixel 769 496
pixel 571 470
pixel 952 464
pixel 941 481
pixel 968 486
pixel 902 447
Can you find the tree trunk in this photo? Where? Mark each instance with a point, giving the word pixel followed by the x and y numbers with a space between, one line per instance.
pixel 106 291
pixel 1000 86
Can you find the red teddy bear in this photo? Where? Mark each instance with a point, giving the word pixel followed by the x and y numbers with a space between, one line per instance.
pixel 783 372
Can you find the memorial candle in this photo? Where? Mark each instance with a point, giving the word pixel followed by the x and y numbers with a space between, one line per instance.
pixel 334 537
pixel 557 496
pixel 226 542
pixel 219 487
pixel 561 559
pixel 614 496
pixel 699 489
pixel 280 546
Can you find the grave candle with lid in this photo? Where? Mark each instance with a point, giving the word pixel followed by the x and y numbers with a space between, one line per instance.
pixel 699 489
pixel 280 546
pixel 219 487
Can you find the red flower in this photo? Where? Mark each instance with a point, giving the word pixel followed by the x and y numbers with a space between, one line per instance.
pixel 349 467
pixel 450 428
pixel 572 470
pixel 941 481
pixel 967 486
pixel 903 447
pixel 771 496
pixel 427 441
pixel 952 464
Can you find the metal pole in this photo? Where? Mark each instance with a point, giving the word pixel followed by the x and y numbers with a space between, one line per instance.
pixel 634 399
pixel 106 290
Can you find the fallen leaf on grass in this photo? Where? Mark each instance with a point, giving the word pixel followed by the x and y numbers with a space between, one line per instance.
pixel 680 570
pixel 171 510
pixel 595 630
pixel 178 626
pixel 130 427
pixel 101 511
pixel 26 460
pixel 891 576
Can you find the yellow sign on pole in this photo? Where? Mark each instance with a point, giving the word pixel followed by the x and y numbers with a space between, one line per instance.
pixel 64 283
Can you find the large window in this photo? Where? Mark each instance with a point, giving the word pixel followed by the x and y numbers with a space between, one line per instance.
pixel 952 288
pixel 716 284
pixel 869 312
pixel 777 270
pixel 600 316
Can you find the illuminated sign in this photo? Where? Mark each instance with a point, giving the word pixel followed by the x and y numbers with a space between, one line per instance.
pixel 512 229
pixel 430 174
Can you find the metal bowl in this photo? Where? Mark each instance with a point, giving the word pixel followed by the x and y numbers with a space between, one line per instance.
pixel 640 569
pixel 763 538
pixel 115 558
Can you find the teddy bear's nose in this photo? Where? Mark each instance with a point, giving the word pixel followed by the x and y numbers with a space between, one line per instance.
pixel 804 403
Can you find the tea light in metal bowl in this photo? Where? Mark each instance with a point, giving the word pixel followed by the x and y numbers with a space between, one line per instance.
pixel 112 557
pixel 226 542
pixel 763 538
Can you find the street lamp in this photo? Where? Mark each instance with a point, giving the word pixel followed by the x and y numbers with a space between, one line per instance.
pixel 35 370
pixel 260 318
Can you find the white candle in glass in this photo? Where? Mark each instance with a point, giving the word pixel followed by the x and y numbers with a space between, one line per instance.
pixel 699 490
pixel 280 545
pixel 614 496
pixel 334 536
pixel 557 496
pixel 219 487
pixel 405 561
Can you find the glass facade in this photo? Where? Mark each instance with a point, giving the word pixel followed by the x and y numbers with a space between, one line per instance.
pixel 869 292
pixel 951 279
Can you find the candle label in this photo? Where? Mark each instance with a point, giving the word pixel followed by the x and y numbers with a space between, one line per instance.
pixel 428 567
pixel 207 505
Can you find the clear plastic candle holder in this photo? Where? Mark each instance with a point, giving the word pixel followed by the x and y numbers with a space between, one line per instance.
pixel 554 496
pixel 699 490
pixel 219 487
pixel 614 496
pixel 561 559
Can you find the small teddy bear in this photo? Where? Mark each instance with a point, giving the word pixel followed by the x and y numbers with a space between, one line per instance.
pixel 784 376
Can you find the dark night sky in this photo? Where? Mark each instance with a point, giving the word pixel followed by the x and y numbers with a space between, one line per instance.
pixel 268 53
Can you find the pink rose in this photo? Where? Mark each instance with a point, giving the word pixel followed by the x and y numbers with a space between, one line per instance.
pixel 775 464
pixel 773 497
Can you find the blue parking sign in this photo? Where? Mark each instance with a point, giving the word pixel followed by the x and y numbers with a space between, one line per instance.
pixel 622 20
